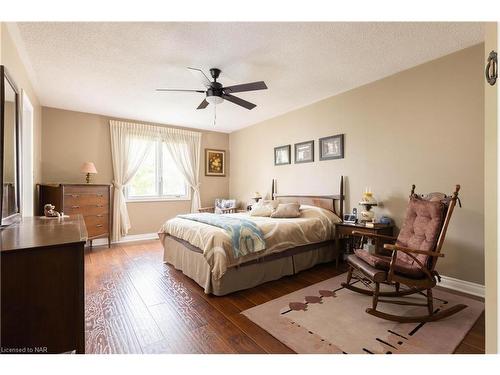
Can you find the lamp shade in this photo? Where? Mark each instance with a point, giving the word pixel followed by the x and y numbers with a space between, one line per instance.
pixel 88 167
pixel 214 99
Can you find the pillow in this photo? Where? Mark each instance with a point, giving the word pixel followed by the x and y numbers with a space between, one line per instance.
pixel 307 211
pixel 258 210
pixel 286 210
pixel 269 202
pixel 263 208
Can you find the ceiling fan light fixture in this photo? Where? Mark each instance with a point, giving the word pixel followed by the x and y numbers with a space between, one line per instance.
pixel 214 99
pixel 215 92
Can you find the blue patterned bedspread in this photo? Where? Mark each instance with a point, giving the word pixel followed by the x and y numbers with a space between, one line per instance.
pixel 246 237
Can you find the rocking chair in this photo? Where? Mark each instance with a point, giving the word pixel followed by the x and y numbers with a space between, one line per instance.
pixel 221 206
pixel 413 261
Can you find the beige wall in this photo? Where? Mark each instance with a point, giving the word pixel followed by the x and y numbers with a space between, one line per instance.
pixel 9 57
pixel 490 191
pixel 422 126
pixel 70 138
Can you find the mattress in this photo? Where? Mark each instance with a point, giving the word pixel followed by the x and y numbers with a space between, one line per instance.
pixel 315 225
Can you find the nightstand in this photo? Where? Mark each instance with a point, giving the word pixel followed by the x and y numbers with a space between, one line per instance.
pixel 345 230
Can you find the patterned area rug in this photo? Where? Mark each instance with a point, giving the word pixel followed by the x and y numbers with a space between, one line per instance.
pixel 327 318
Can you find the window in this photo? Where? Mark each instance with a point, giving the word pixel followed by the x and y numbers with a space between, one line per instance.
pixel 157 178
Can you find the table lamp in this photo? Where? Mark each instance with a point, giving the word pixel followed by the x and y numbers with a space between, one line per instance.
pixel 368 201
pixel 89 168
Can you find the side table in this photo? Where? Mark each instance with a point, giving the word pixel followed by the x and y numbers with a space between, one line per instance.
pixel 345 230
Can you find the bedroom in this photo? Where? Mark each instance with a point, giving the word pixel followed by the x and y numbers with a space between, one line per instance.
pixel 213 221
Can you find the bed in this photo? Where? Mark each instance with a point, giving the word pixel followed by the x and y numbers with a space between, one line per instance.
pixel 204 252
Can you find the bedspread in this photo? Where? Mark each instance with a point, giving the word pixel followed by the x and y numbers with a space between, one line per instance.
pixel 313 226
pixel 246 237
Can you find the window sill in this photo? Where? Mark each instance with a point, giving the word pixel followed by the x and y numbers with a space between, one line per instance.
pixel 157 199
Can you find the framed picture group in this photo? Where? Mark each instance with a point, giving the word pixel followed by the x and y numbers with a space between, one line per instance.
pixel 331 147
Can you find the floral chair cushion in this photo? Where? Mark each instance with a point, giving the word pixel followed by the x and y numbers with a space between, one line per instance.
pixel 224 204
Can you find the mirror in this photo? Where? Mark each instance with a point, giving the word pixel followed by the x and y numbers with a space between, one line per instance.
pixel 10 189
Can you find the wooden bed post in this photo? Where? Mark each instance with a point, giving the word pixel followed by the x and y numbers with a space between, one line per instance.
pixel 341 198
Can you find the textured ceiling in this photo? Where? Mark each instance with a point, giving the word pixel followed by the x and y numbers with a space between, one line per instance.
pixel 114 68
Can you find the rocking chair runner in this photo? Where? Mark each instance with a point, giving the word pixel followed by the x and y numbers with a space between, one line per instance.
pixel 413 261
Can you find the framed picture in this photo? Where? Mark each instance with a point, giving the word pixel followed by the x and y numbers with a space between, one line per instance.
pixel 304 152
pixel 331 147
pixel 282 155
pixel 215 162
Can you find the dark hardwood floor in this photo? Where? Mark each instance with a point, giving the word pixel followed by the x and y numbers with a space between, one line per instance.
pixel 137 304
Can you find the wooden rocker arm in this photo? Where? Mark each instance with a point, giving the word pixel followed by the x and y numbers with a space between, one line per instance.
pixel 206 209
pixel 229 210
pixel 375 235
pixel 409 251
pixel 212 210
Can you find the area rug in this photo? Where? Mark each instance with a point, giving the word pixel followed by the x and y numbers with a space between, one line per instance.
pixel 327 318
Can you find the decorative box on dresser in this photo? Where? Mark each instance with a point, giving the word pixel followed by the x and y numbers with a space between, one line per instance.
pixel 92 201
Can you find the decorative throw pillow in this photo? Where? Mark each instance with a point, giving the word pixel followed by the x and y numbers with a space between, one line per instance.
pixel 261 211
pixel 263 208
pixel 286 210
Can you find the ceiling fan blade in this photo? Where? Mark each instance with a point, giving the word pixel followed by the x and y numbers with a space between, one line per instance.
pixel 203 104
pixel 206 80
pixel 239 101
pixel 181 90
pixel 260 85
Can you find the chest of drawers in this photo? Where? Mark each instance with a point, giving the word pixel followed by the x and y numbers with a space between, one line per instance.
pixel 92 201
pixel 42 287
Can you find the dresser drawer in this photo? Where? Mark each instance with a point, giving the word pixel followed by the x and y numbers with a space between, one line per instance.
pixel 96 209
pixel 82 189
pixel 80 200
pixel 96 224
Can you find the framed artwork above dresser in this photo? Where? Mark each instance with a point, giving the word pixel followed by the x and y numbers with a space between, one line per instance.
pixel 92 201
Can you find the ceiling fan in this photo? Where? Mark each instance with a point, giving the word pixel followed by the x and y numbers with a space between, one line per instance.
pixel 216 93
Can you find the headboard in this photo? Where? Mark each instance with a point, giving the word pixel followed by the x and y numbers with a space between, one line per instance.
pixel 334 203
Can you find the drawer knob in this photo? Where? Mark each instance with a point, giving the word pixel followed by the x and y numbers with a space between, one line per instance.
pixel 99 225
pixel 75 206
pixel 100 215
pixel 74 195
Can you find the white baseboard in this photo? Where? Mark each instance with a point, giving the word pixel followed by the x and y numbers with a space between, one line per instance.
pixel 139 237
pixel 462 286
pixel 130 238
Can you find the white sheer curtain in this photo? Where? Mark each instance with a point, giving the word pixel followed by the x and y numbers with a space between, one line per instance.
pixel 184 147
pixel 130 145
pixel 127 155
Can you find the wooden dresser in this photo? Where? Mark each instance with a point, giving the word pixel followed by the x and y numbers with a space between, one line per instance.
pixel 92 201
pixel 42 286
